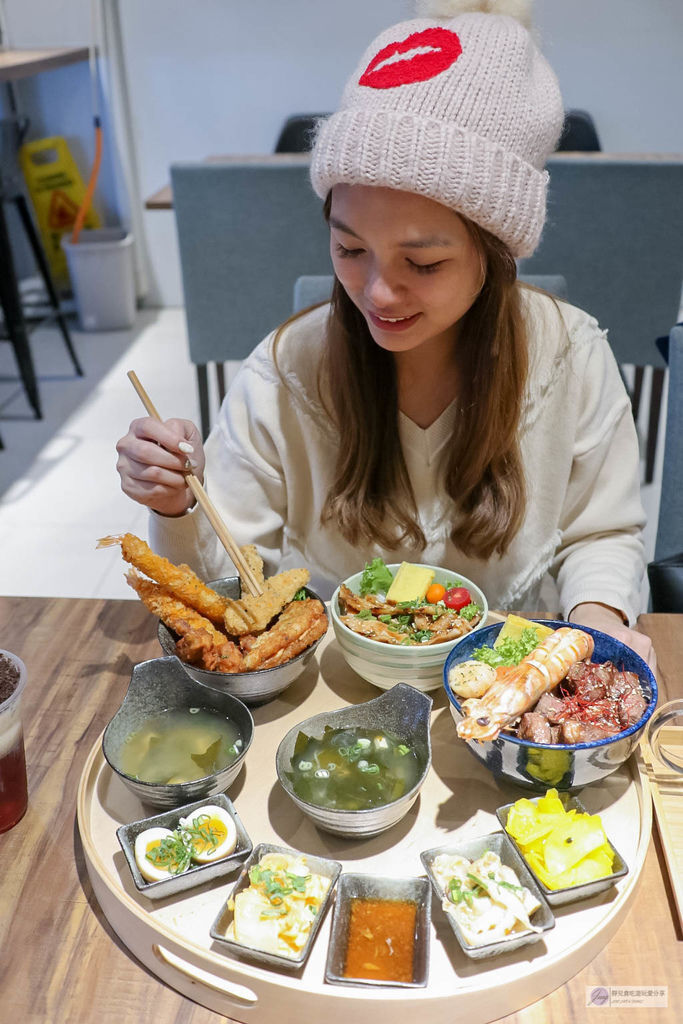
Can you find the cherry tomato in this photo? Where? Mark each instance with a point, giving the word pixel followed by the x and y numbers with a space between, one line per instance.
pixel 456 598
pixel 435 593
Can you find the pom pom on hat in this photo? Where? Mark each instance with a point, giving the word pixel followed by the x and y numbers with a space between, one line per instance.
pixel 460 107
pixel 444 9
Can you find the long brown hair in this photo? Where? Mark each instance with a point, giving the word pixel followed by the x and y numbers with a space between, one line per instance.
pixel 371 499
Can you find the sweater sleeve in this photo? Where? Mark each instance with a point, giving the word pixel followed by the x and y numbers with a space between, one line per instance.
pixel 244 479
pixel 601 556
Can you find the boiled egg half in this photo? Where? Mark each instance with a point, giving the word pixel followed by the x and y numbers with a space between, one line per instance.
pixel 213 833
pixel 146 844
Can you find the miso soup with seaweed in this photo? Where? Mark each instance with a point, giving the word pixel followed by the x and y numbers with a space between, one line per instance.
pixel 353 768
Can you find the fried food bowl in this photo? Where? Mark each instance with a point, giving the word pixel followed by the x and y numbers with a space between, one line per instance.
pixel 160 685
pixel 564 766
pixel 253 688
pixel 384 664
pixel 403 712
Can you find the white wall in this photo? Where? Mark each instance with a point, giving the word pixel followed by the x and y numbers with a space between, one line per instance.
pixel 215 76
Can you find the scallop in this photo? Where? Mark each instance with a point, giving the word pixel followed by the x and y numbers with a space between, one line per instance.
pixel 217 822
pixel 471 678
pixel 145 845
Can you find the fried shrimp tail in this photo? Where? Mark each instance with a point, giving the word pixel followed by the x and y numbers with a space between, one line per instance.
pixel 517 689
pixel 179 579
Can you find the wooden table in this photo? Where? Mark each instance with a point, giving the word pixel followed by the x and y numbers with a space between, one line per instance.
pixel 22 63
pixel 61 962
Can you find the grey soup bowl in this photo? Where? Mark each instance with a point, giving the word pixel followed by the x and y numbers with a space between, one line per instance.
pixel 353 887
pixel 162 684
pixel 251 688
pixel 402 711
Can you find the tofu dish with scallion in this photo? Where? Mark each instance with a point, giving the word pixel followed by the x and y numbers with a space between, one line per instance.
pixel 408 608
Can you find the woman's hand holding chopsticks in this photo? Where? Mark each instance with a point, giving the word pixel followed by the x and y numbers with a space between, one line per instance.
pixel 153 459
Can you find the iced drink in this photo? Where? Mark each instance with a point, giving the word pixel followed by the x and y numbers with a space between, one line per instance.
pixel 13 786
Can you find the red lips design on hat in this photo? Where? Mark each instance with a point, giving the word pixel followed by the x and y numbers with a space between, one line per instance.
pixel 444 49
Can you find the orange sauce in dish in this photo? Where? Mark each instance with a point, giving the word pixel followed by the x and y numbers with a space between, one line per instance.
pixel 381 940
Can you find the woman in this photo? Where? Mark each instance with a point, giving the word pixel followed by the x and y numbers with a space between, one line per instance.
pixel 437 411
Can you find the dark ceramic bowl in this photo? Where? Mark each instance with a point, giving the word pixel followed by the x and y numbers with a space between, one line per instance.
pixel 474 848
pixel 219 929
pixel 251 688
pixel 195 875
pixel 160 685
pixel 558 897
pixel 371 887
pixel 562 765
pixel 403 711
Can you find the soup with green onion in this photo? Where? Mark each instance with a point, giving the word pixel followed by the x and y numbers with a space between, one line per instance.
pixel 352 769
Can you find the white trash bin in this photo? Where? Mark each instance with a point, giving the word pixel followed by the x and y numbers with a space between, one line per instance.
pixel 103 279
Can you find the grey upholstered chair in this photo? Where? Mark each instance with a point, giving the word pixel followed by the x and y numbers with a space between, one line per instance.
pixel 615 231
pixel 247 229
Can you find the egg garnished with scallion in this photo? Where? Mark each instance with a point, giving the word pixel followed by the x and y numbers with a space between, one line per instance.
pixel 211 832
pixel 160 853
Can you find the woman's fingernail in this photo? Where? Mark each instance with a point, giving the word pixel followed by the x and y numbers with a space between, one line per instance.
pixel 191 465
pixel 186 447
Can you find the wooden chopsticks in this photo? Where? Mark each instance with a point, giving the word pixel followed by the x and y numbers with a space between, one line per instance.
pixel 203 500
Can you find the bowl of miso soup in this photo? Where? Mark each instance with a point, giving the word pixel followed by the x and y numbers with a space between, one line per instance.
pixel 358 770
pixel 173 740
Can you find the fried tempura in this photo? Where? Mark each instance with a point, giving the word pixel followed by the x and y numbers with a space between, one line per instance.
pixel 179 580
pixel 252 614
pixel 200 642
pixel 295 621
pixel 254 561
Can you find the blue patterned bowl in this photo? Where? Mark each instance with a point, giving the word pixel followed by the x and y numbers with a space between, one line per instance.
pixel 565 766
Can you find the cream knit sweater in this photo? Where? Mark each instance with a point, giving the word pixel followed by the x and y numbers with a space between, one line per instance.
pixel 272 452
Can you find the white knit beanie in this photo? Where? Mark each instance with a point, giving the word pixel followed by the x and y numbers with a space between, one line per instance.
pixel 460 107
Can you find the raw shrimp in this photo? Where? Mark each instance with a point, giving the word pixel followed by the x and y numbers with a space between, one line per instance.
pixel 178 579
pixel 517 688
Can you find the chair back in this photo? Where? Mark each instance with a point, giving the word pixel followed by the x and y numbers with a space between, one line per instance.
pixel 246 230
pixel 578 133
pixel 296 135
pixel 615 230
pixel 670 524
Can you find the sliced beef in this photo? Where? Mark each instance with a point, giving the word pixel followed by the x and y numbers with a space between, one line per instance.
pixel 535 727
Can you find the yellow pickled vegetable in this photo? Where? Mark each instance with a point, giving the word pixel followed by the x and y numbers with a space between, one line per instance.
pixel 563 848
pixel 515 625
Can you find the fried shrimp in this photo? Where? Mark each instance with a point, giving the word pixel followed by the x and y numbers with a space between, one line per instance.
pixel 252 614
pixel 200 642
pixel 178 579
pixel 195 613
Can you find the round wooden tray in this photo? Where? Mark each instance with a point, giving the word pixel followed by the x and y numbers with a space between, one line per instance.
pixel 171 937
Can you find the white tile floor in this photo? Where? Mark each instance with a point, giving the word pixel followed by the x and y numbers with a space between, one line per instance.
pixel 59 490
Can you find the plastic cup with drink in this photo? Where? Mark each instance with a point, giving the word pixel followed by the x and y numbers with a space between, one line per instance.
pixel 13 784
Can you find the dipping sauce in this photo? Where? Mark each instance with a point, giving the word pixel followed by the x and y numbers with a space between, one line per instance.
pixel 179 746
pixel 381 940
pixel 353 768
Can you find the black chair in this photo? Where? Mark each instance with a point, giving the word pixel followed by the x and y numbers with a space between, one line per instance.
pixel 578 133
pixel 15 318
pixel 297 133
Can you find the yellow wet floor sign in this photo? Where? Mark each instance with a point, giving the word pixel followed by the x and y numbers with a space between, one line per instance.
pixel 57 190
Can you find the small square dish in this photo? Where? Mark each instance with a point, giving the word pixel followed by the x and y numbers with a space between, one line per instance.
pixel 197 873
pixel 496 857
pixel 380 932
pixel 276 906
pixel 571 894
